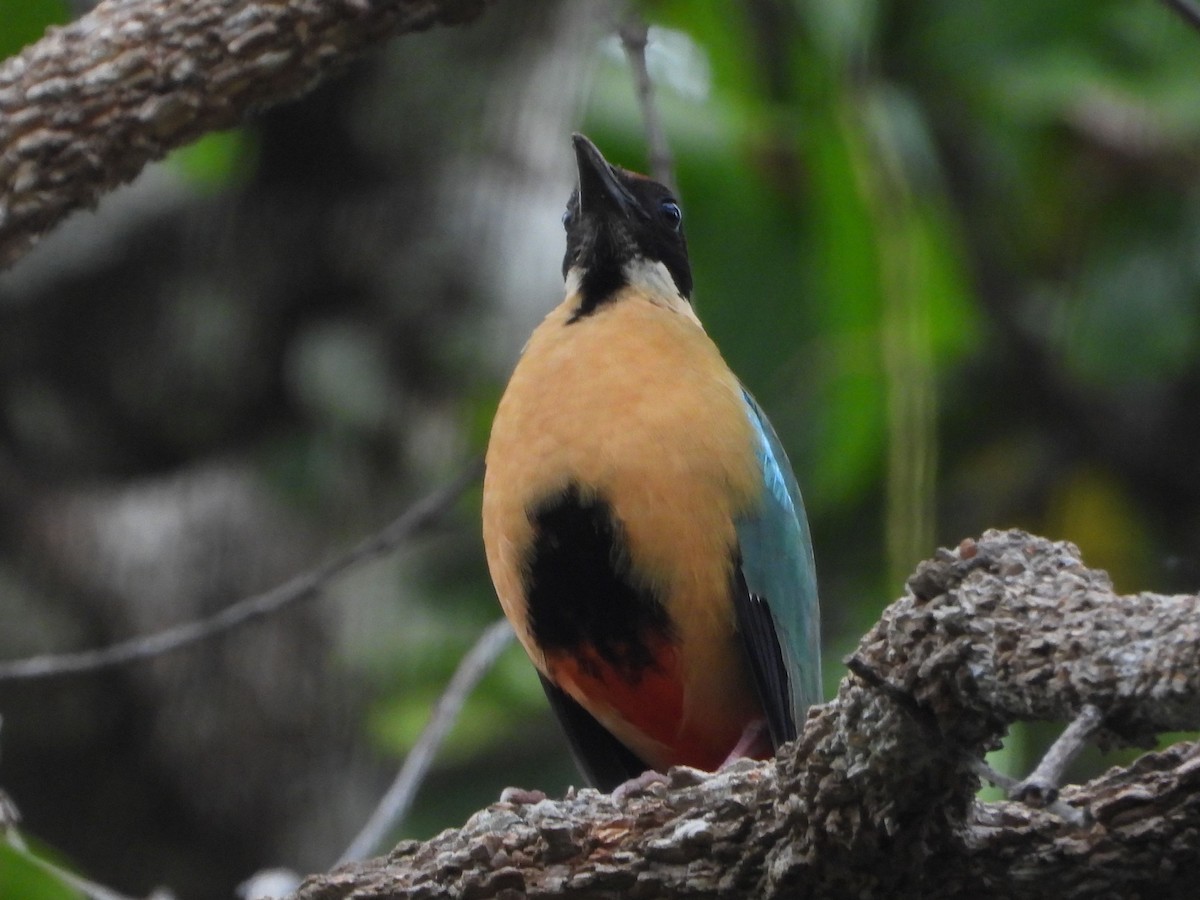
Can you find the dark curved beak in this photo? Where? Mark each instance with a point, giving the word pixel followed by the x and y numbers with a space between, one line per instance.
pixel 600 191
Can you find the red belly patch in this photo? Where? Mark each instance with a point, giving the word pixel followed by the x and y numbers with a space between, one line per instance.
pixel 650 700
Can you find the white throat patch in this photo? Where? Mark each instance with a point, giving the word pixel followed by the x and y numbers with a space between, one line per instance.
pixel 574 280
pixel 653 278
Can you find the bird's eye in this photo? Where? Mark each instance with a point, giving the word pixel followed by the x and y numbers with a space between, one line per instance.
pixel 566 217
pixel 671 214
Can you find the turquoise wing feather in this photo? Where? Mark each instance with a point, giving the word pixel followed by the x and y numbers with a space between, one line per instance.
pixel 777 605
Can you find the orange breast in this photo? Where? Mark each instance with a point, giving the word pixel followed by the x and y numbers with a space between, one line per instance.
pixel 636 405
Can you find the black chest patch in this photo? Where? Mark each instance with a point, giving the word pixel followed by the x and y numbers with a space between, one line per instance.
pixel 580 590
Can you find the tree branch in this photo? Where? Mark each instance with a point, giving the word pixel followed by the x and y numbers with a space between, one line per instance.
pixel 394 806
pixel 422 515
pixel 1186 10
pixel 635 35
pixel 84 109
pixel 877 797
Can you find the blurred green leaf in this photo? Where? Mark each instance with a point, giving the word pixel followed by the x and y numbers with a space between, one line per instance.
pixel 22 878
pixel 214 161
pixel 846 362
pixel 23 22
pixel 1135 316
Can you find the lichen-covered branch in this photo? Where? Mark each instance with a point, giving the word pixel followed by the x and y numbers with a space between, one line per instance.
pixel 85 108
pixel 1018 628
pixel 877 797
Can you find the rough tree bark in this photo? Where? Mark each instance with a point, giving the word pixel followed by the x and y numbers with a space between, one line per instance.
pixel 877 797
pixel 84 109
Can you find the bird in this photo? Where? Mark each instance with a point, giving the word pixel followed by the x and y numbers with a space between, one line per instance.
pixel 643 528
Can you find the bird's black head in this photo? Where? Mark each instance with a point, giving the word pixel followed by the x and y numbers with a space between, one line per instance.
pixel 622 229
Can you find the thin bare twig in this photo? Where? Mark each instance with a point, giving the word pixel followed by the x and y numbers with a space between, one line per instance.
pixel 421 515
pixel 634 34
pixel 997 779
pixel 1011 787
pixel 1013 790
pixel 1041 787
pixel 396 802
pixel 1186 10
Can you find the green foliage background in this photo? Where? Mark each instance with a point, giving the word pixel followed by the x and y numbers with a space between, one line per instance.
pixel 954 249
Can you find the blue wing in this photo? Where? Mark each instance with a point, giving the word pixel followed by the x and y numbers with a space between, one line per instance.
pixel 777 589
